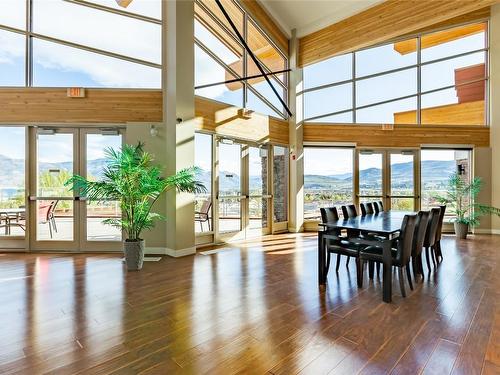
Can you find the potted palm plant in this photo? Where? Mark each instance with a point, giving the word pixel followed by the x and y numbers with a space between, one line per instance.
pixel 461 197
pixel 131 178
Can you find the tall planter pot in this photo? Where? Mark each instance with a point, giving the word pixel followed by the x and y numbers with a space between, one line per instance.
pixel 461 230
pixel 134 254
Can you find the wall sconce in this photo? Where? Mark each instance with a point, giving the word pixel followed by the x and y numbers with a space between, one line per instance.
pixel 153 131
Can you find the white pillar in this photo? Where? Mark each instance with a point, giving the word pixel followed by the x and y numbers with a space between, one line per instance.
pixel 494 36
pixel 296 133
pixel 178 119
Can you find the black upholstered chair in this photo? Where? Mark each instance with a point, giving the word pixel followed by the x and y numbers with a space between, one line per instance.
pixel 339 247
pixel 418 243
pixel 401 255
pixel 349 211
pixel 376 209
pixel 380 206
pixel 367 209
pixel 439 232
pixel 430 237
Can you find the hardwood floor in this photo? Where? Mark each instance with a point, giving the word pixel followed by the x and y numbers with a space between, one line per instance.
pixel 255 308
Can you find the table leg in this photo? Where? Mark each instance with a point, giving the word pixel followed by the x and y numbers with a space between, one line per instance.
pixel 387 277
pixel 321 259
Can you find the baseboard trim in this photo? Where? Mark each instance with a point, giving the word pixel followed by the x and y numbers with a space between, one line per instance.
pixel 170 252
pixel 181 253
pixel 487 231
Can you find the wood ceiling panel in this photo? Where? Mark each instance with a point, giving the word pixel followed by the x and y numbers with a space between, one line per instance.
pixel 388 20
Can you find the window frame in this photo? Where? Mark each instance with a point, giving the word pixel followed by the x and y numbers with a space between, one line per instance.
pixel 30 35
pixel 247 18
pixel 418 66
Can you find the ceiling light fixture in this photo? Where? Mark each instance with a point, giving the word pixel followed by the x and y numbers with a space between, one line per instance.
pixel 123 3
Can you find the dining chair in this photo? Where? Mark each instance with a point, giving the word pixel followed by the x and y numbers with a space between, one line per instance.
pixel 401 255
pixel 330 214
pixel 430 237
pixel 366 209
pixel 350 212
pixel 418 243
pixel 380 205
pixel 376 208
pixel 203 215
pixel 439 232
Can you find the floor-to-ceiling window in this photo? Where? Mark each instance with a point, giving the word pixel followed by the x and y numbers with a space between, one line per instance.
pixel 103 44
pixel 437 165
pixel 12 182
pixel 203 201
pixel 433 78
pixel 328 178
pixel 221 57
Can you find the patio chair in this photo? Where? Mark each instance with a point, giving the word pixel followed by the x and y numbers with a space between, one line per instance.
pixel 203 215
pixel 46 215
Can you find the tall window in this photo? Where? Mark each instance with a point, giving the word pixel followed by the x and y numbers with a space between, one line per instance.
pixel 103 46
pixel 220 56
pixel 435 78
pixel 328 178
pixel 437 165
pixel 203 201
pixel 280 183
pixel 12 184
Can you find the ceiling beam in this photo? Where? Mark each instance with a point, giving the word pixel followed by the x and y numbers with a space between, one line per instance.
pixel 388 20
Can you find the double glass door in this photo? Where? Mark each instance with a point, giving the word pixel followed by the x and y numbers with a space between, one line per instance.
pixel 60 219
pixel 243 199
pixel 389 176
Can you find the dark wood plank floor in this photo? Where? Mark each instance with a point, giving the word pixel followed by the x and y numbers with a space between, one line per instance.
pixel 254 308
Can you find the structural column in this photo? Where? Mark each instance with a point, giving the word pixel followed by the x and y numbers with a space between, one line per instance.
pixel 494 36
pixel 178 119
pixel 296 133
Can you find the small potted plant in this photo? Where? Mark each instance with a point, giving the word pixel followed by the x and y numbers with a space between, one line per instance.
pixel 461 198
pixel 131 178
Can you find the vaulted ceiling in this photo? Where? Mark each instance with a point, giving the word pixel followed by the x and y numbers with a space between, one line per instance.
pixel 308 16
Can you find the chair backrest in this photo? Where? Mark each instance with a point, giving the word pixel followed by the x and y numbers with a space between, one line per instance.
pixel 45 209
pixel 363 209
pixel 205 207
pixel 440 223
pixel 375 208
pixel 329 214
pixel 420 230
pixel 405 240
pixel 349 211
pixel 380 205
pixel 366 209
pixel 432 225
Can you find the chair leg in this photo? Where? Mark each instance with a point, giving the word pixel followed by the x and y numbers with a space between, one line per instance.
pixel 371 268
pixel 440 253
pixel 427 259
pixel 50 228
pixel 347 261
pixel 54 223
pixel 359 271
pixel 433 255
pixel 401 281
pixel 378 269
pixel 408 276
pixel 328 256
pixel 420 266
pixel 201 226
pixel 338 263
pixel 414 267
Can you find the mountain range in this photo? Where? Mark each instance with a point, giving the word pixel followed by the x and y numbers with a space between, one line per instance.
pixel 433 172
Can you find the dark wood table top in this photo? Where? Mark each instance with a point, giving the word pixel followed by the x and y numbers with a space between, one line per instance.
pixel 387 222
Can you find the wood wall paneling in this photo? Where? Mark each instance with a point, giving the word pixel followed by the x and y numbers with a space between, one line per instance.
pixel 28 105
pixel 383 22
pixel 401 136
pixel 223 119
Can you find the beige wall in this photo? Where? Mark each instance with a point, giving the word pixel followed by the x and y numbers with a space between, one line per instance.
pixel 495 111
pixel 482 168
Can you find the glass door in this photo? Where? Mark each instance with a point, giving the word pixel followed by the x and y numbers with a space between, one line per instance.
pixel 259 201
pixel 96 234
pixel 60 219
pixel 371 181
pixel 53 205
pixel 230 198
pixel 402 189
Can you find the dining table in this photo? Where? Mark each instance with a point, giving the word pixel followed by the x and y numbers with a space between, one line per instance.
pixel 8 213
pixel 375 230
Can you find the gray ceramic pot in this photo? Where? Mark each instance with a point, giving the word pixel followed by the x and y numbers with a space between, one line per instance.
pixel 461 230
pixel 134 254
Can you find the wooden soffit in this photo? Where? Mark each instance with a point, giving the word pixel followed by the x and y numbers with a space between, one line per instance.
pixel 388 20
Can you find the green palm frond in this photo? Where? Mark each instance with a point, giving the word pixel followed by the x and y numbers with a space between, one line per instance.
pixel 131 178
pixel 461 198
